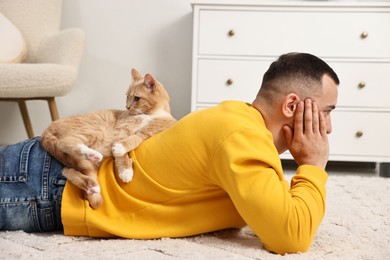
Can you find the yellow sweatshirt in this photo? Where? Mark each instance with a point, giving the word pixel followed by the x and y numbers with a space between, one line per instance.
pixel 214 169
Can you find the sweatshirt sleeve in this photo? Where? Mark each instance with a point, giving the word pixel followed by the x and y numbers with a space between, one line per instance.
pixel 247 166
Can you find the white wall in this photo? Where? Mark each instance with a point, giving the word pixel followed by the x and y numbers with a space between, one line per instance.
pixel 153 36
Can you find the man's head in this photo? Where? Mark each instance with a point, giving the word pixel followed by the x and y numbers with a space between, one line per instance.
pixel 291 78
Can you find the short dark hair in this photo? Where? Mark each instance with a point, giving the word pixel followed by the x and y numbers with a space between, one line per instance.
pixel 296 72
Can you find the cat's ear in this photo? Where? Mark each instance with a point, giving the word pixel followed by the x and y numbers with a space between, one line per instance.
pixel 150 82
pixel 136 75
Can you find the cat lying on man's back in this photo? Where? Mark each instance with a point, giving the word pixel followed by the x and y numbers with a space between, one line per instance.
pixel 81 142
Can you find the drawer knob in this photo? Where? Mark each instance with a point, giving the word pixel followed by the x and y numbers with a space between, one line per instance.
pixel 361 84
pixel 364 35
pixel 229 82
pixel 231 33
pixel 359 134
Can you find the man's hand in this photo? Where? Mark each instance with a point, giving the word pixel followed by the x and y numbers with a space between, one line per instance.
pixel 308 141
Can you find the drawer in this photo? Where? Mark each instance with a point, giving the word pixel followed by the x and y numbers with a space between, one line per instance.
pixel 360 133
pixel 220 80
pixel 363 84
pixel 324 32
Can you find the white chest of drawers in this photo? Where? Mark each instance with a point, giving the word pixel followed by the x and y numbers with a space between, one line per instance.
pixel 235 41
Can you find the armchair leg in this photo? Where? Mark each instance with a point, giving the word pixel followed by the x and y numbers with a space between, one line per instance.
pixel 26 118
pixel 53 109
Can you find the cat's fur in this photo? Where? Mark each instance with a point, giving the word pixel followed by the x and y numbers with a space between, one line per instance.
pixel 81 142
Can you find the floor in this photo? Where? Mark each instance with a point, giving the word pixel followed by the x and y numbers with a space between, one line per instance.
pixel 356 226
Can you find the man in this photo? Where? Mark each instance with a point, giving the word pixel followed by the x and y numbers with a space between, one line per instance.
pixel 214 169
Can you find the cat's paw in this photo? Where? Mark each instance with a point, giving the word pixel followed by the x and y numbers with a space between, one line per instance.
pixel 92 189
pixel 94 156
pixel 95 200
pixel 118 150
pixel 126 175
pixel 91 154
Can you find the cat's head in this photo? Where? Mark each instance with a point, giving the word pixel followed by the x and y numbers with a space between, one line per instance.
pixel 146 95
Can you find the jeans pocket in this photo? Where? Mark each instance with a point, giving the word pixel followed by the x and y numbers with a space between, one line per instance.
pixel 30 215
pixel 19 215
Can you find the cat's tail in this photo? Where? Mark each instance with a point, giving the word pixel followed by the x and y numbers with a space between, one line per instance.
pixel 48 141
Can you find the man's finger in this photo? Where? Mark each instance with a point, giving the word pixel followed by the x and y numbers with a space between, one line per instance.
pixel 298 123
pixel 316 122
pixel 308 116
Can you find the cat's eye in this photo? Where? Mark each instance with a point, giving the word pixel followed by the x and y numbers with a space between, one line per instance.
pixel 136 98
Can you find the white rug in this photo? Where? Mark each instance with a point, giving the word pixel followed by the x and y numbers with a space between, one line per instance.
pixel 356 226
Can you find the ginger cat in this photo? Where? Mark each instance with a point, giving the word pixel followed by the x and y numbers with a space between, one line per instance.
pixel 81 142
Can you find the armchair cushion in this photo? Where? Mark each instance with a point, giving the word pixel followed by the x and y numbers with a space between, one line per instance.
pixel 29 80
pixel 13 47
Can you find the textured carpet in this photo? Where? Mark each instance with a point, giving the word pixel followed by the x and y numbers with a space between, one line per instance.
pixel 356 226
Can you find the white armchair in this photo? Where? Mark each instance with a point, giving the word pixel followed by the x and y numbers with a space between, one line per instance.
pixel 53 56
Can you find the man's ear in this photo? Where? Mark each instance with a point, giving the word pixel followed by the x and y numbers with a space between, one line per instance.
pixel 289 104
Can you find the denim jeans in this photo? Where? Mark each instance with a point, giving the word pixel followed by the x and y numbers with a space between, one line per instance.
pixel 31 186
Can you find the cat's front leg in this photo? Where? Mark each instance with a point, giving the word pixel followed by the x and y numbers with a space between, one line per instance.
pixel 128 144
pixel 124 166
pixel 118 150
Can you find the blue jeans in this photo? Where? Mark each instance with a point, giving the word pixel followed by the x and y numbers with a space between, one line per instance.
pixel 31 186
